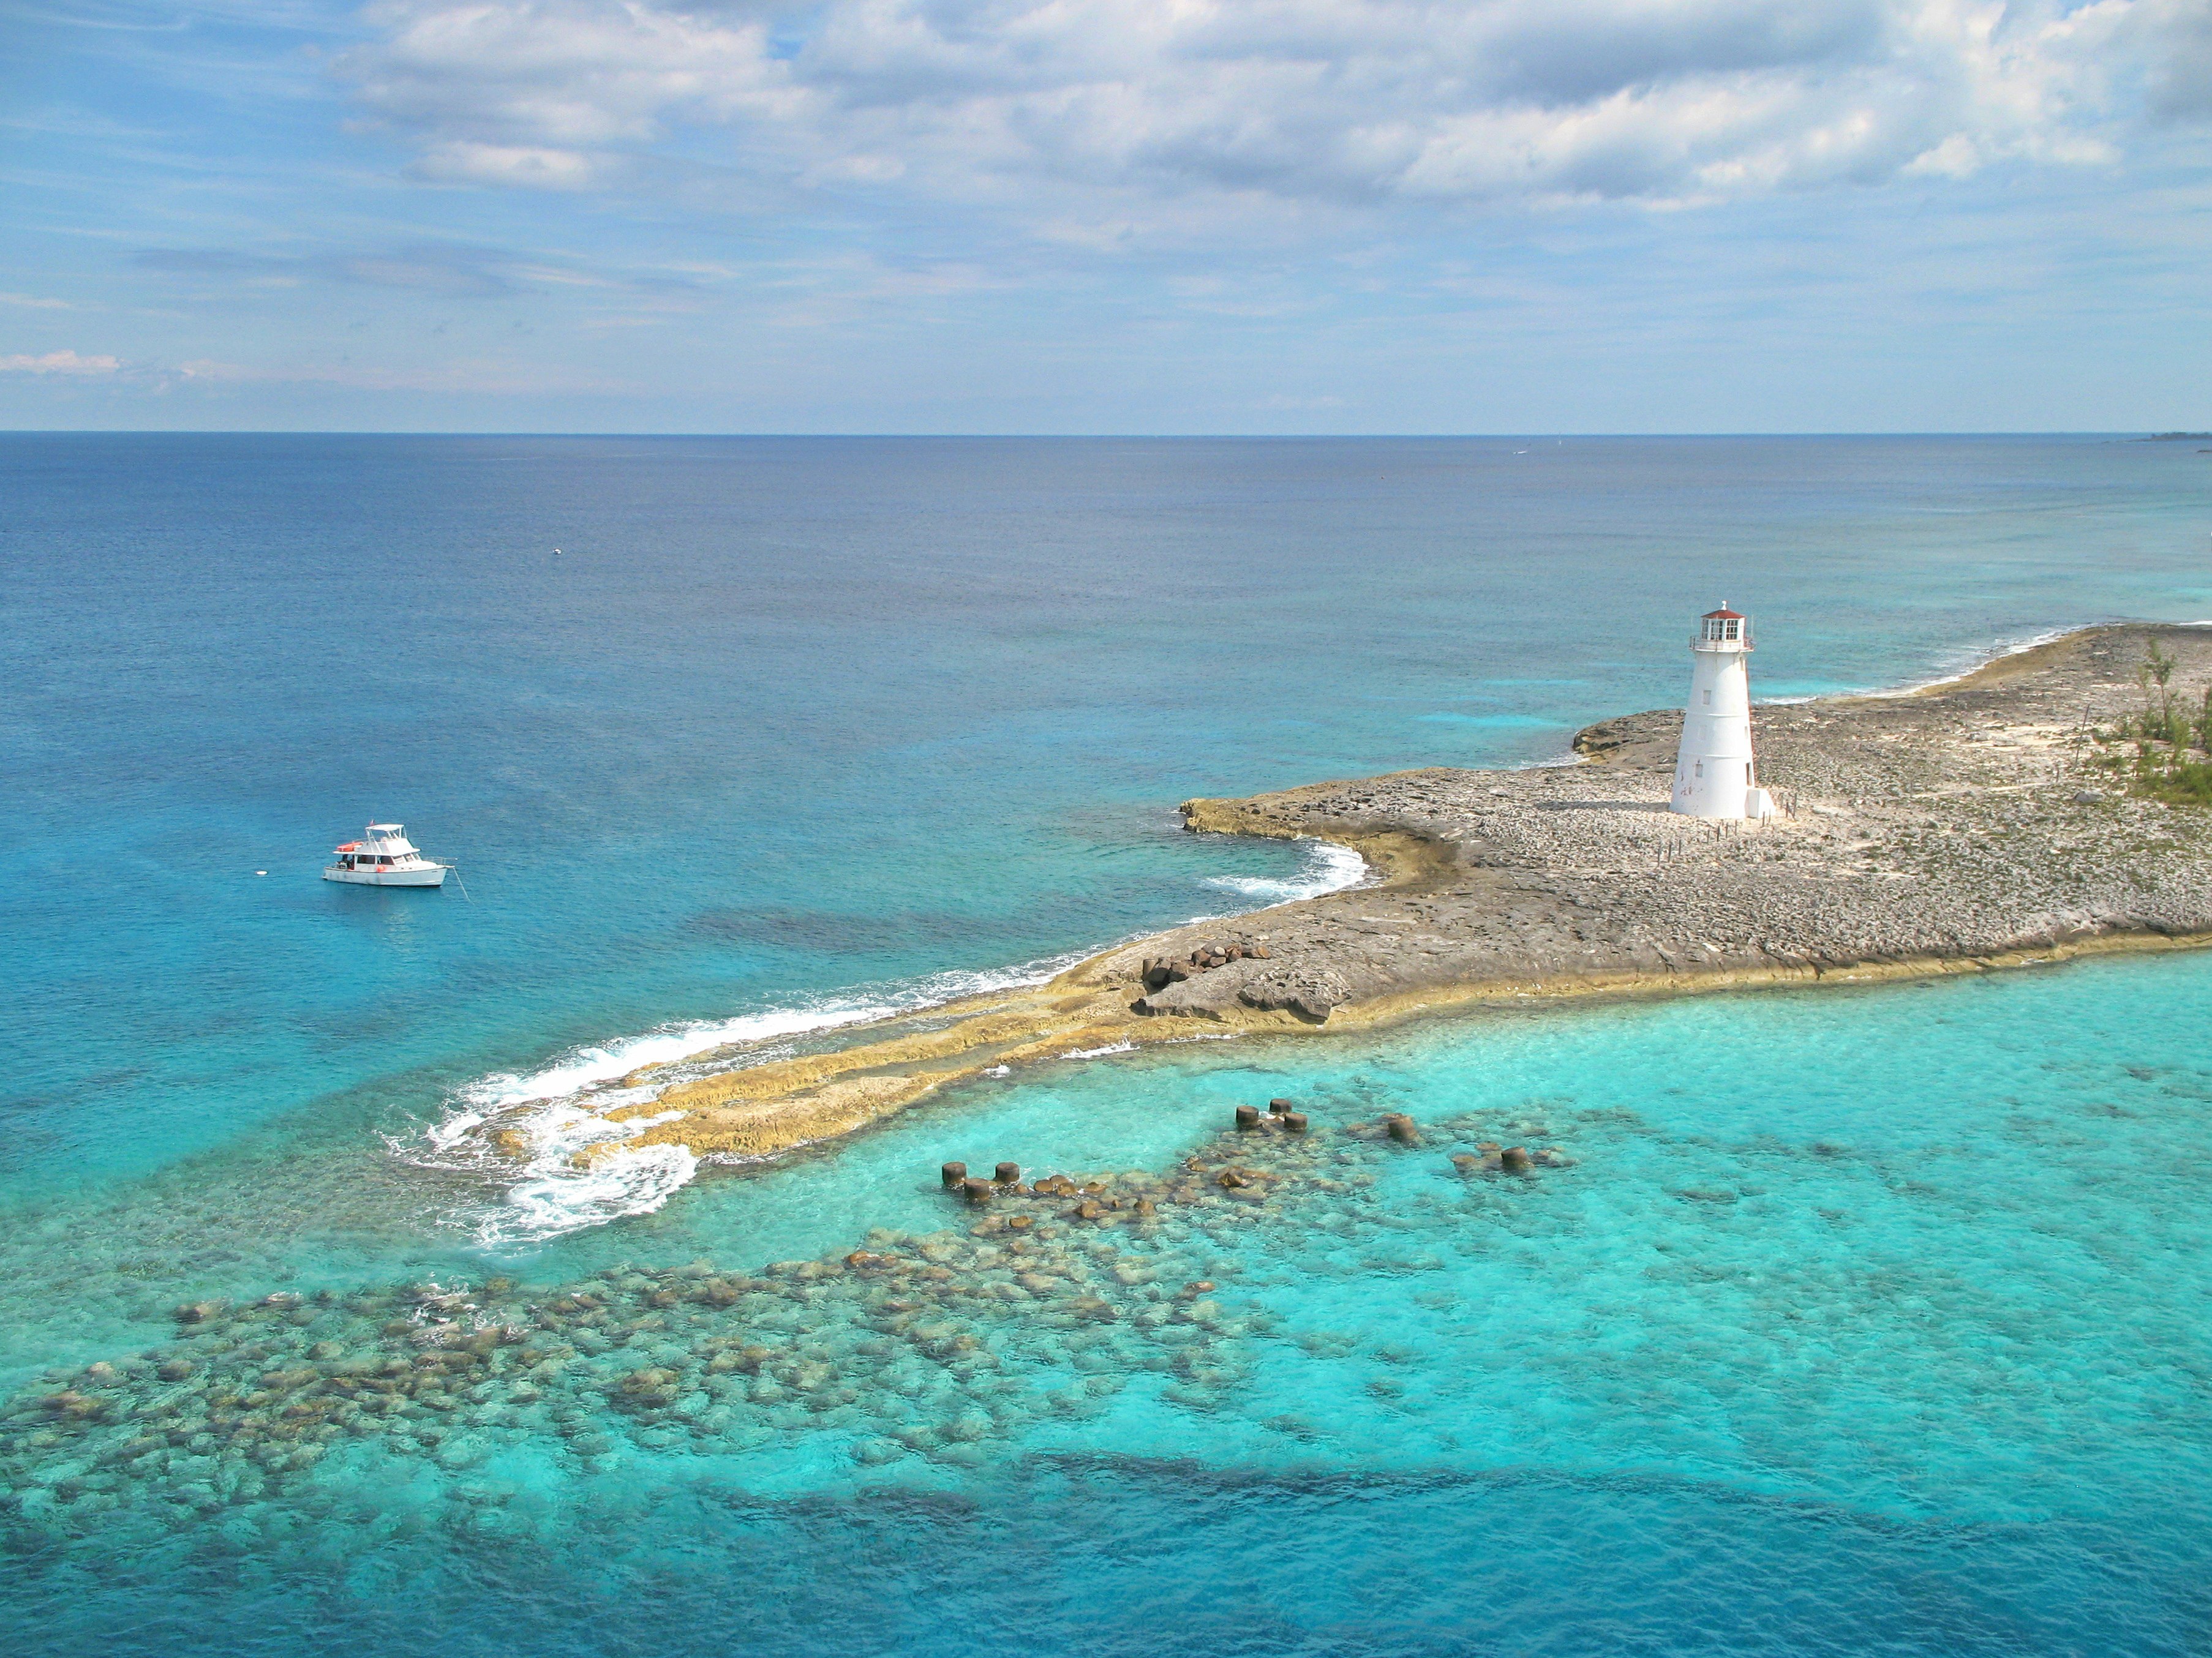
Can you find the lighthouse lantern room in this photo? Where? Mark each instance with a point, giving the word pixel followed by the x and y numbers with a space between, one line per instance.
pixel 1715 771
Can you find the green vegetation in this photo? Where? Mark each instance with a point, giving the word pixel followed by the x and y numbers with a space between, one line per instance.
pixel 2165 749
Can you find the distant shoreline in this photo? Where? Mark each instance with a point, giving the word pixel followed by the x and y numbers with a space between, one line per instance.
pixel 1933 830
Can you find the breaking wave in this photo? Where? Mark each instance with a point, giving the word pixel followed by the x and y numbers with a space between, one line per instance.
pixel 544 1139
pixel 552 1160
pixel 1328 868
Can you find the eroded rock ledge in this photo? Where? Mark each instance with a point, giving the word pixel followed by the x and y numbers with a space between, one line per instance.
pixel 1961 827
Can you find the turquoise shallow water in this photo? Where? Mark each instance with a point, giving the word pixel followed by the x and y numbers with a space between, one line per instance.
pixel 1861 1321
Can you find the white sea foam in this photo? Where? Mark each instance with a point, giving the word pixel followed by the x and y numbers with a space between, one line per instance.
pixel 587 1067
pixel 1328 868
pixel 1122 1046
pixel 552 1201
pixel 559 1111
pixel 543 1139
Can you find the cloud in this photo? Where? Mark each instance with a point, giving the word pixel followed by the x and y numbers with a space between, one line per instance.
pixel 454 271
pixel 31 302
pixel 530 165
pixel 58 362
pixel 2177 35
pixel 1045 103
pixel 456 376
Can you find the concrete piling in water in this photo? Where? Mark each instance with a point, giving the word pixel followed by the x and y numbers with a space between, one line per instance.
pixel 1295 1121
pixel 953 1173
pixel 977 1191
pixel 1008 1174
pixel 1402 1128
pixel 1282 1107
pixel 1247 1116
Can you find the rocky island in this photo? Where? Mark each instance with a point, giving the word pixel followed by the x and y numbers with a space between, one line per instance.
pixel 1984 822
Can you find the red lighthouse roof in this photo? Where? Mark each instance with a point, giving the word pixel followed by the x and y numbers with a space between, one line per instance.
pixel 1723 614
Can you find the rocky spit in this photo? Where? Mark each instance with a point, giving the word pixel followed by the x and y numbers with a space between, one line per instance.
pixel 1972 825
pixel 1039 1300
pixel 1962 826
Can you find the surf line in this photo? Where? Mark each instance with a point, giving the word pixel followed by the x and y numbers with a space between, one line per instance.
pixel 576 1144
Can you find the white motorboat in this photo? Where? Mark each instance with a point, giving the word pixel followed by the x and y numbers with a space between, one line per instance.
pixel 385 857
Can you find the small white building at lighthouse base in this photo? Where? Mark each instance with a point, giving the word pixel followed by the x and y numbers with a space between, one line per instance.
pixel 1716 773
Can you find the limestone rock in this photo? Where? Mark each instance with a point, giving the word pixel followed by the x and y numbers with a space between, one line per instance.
pixel 1310 992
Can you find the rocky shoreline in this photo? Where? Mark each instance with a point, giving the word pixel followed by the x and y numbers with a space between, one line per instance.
pixel 1965 826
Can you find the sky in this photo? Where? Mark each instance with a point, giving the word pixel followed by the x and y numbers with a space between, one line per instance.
pixel 1106 216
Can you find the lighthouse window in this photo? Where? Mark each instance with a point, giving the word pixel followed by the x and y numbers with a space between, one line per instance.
pixel 1701 769
pixel 1709 699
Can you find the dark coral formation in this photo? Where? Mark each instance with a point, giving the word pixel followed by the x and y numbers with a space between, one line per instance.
pixel 1050 1301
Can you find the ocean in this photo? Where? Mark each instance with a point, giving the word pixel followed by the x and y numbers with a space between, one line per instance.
pixel 1892 1341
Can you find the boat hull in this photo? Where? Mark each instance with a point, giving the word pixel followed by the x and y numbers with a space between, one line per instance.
pixel 432 876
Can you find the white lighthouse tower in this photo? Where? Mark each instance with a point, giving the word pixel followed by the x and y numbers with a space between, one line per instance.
pixel 1714 775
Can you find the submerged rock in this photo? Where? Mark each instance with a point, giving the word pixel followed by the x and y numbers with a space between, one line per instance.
pixel 976 1334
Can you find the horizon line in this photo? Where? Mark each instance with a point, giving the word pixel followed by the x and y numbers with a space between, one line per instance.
pixel 2143 433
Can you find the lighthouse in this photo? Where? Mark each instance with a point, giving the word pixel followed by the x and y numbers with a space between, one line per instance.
pixel 1714 769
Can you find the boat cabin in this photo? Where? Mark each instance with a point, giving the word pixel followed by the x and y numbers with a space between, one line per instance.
pixel 387 845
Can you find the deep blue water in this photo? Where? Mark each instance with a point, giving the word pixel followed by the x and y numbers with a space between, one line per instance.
pixel 792 726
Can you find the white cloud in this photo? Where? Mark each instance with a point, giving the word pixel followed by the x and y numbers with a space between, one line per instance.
pixel 32 302
pixel 210 368
pixel 532 165
pixel 58 362
pixel 1320 102
pixel 511 88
